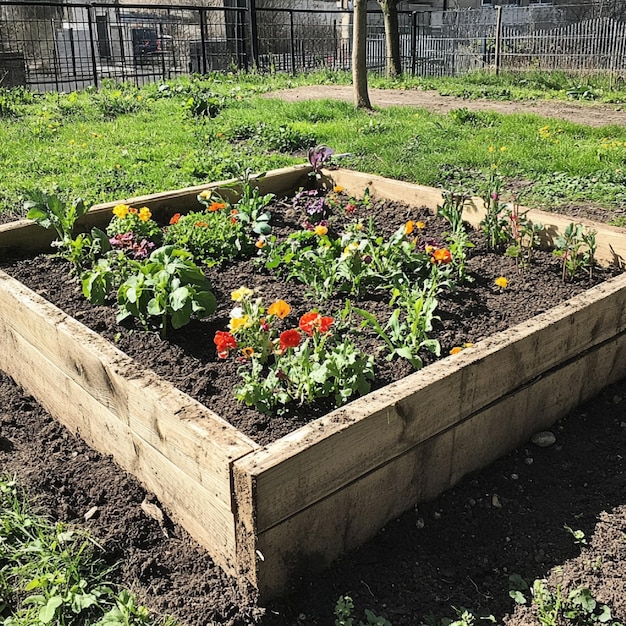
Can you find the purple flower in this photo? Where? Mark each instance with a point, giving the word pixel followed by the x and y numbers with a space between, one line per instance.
pixel 319 155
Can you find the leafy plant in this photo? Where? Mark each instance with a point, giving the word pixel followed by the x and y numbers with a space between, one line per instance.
pixel 138 222
pixel 252 206
pixel 494 224
pixel 576 246
pixel 212 236
pixel 344 615
pixel 167 286
pixel 525 236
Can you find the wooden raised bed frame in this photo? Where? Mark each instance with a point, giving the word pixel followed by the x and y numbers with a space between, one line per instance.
pixel 270 513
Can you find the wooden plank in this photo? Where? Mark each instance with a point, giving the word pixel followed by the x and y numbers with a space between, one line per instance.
pixel 207 518
pixel 307 465
pixel 190 435
pixel 610 239
pixel 311 539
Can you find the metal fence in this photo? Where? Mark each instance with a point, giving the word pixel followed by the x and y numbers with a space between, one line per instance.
pixel 65 47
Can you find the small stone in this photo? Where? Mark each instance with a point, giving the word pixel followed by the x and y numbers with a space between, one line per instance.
pixel 420 522
pixel 544 439
pixel 152 510
pixel 529 460
pixel 471 502
pixel 495 501
pixel 514 476
pixel 437 515
pixel 92 512
pixel 622 424
pixel 617 399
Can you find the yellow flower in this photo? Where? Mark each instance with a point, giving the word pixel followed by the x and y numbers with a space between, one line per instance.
pixel 420 225
pixel 503 149
pixel 337 188
pixel 350 248
pixel 501 282
pixel 239 322
pixel 492 148
pixel 279 308
pixel 320 231
pixel 145 214
pixel 248 352
pixel 408 227
pixel 358 226
pixel 239 294
pixel 121 211
pixel 206 194
pixel 260 243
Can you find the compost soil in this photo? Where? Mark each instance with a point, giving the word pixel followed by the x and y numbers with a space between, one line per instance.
pixel 456 551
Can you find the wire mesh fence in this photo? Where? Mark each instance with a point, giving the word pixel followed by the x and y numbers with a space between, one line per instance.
pixel 60 46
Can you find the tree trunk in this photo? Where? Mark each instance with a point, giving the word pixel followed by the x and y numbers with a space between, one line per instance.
pixel 392 37
pixel 359 53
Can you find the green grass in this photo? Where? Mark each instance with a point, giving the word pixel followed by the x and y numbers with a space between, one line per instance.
pixel 50 573
pixel 122 141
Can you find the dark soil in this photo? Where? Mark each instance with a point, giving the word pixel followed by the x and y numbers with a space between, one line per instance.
pixel 455 551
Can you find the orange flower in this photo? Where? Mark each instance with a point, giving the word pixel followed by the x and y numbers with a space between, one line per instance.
pixel 337 188
pixel 132 211
pixel 200 224
pixel 456 350
pixel 312 322
pixel 260 243
pixel 408 227
pixel 234 212
pixel 442 255
pixel 289 339
pixel 233 220
pixel 248 352
pixel 280 309
pixel 174 219
pixel 217 206
pixel 224 342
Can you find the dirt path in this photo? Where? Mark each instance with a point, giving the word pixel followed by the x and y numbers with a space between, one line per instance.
pixel 581 113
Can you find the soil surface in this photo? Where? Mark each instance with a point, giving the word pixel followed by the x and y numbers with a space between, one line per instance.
pixel 590 114
pixel 456 551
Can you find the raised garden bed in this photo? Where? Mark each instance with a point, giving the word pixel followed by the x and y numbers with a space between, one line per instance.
pixel 270 512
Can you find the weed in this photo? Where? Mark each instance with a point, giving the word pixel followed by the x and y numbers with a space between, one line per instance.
pixel 576 246
pixel 344 615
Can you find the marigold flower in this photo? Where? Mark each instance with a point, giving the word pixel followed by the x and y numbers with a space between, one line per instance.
pixel 248 352
pixel 442 256
pixel 224 342
pixel 200 224
pixel 260 244
pixel 312 322
pixel 240 294
pixel 408 227
pixel 132 211
pixel 217 206
pixel 121 211
pixel 456 350
pixel 502 282
pixel 289 339
pixel 320 231
pixel 174 219
pixel 145 214
pixel 234 212
pixel 280 309
pixel 337 188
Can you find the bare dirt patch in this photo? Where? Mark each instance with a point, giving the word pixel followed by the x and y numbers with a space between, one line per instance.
pixel 590 114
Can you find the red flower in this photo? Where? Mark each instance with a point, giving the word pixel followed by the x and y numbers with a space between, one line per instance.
pixel 224 342
pixel 289 339
pixel 312 322
pixel 174 219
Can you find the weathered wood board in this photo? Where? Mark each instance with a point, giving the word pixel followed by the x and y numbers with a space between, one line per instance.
pixel 272 513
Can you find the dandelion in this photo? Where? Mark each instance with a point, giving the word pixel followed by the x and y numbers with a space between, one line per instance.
pixel 503 149
pixel 240 294
pixel 280 309
pixel 501 282
pixel 174 219
pixel 289 339
pixel 320 231
pixel 492 149
pixel 121 211
pixel 145 214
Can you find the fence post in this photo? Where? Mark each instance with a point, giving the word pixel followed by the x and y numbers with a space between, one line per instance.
pixel 254 34
pixel 203 40
pixel 292 43
pixel 498 42
pixel 92 47
pixel 413 42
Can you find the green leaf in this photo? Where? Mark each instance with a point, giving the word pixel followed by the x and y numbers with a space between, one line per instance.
pixel 47 613
pixel 179 297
